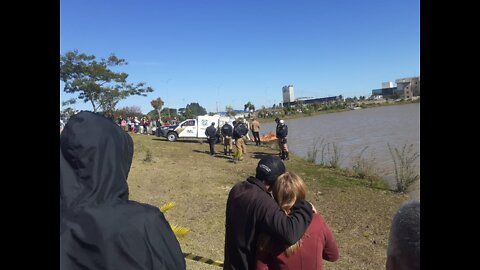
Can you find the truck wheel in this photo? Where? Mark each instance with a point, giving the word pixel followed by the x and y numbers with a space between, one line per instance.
pixel 172 136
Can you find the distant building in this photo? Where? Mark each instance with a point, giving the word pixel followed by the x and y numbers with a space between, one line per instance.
pixel 311 101
pixel 386 92
pixel 288 95
pixel 289 98
pixel 387 85
pixel 406 88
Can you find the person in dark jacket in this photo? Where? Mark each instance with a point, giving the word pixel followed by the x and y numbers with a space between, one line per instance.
pixel 227 133
pixel 100 228
pixel 211 133
pixel 282 132
pixel 277 120
pixel 252 209
pixel 239 132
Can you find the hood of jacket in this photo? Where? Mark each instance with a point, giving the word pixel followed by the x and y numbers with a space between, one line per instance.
pixel 95 159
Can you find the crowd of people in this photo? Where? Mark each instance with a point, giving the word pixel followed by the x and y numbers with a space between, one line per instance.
pixel 238 135
pixel 142 126
pixel 269 224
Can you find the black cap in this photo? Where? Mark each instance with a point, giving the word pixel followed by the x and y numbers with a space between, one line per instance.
pixel 277 119
pixel 269 168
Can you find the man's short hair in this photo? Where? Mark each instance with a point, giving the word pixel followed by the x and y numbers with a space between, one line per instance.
pixel 404 241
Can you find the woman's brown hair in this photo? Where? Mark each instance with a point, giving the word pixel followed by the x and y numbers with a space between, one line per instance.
pixel 287 190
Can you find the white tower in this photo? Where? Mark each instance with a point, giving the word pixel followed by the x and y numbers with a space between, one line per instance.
pixel 288 95
pixel 387 85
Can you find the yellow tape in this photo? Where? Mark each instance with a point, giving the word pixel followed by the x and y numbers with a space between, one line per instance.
pixel 202 259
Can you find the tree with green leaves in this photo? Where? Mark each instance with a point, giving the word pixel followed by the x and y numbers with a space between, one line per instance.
pixel 168 112
pixel 153 114
pixel 95 82
pixel 67 112
pixel 194 109
pixel 157 104
pixel 249 106
pixel 131 111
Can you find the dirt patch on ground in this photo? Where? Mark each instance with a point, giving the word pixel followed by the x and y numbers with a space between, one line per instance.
pixel 184 173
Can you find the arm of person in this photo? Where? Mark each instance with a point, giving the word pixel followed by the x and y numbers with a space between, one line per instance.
pixel 330 250
pixel 261 263
pixel 288 228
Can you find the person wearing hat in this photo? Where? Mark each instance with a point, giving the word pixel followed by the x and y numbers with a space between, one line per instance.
pixel 282 132
pixel 211 133
pixel 100 227
pixel 277 120
pixel 251 209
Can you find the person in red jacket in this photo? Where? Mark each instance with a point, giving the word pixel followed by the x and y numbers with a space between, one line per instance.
pixel 316 245
pixel 251 209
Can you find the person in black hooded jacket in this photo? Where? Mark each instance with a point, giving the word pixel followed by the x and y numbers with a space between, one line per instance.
pixel 100 228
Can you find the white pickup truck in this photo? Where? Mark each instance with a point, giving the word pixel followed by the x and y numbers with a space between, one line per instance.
pixel 192 128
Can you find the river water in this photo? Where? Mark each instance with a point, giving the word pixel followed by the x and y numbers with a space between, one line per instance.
pixel 354 130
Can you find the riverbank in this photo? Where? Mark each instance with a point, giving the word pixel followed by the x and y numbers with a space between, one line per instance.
pixel 357 105
pixel 184 173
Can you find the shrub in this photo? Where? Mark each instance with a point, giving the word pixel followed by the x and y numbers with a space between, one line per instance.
pixel 148 156
pixel 313 152
pixel 334 155
pixel 404 162
pixel 365 168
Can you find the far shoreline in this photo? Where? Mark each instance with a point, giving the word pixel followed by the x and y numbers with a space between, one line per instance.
pixel 364 105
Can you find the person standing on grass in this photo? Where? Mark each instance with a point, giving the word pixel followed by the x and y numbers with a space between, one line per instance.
pixel 277 120
pixel 255 131
pixel 211 134
pixel 100 228
pixel 316 245
pixel 227 133
pixel 239 131
pixel 282 133
pixel 251 209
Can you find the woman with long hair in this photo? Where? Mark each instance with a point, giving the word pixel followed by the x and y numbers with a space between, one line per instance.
pixel 316 245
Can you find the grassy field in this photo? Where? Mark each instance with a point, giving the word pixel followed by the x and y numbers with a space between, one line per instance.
pixel 184 173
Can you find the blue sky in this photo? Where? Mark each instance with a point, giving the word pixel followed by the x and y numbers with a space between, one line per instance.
pixel 229 52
